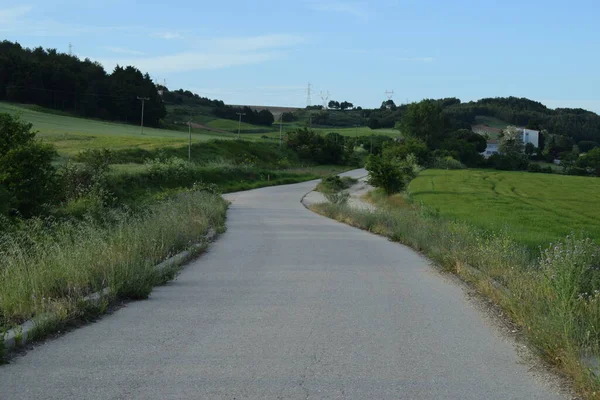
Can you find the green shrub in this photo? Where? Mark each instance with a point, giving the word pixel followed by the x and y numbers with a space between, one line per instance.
pixel 391 174
pixel 334 183
pixel 448 163
pixel 337 198
pixel 26 170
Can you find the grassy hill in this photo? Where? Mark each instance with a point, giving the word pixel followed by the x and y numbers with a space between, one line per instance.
pixel 71 135
pixel 534 209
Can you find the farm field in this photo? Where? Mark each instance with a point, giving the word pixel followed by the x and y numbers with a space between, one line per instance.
pixel 491 121
pixel 70 135
pixel 535 209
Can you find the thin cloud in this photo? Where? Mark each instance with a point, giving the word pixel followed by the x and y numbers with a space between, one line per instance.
pixel 11 13
pixel 121 50
pixel 18 20
pixel 192 61
pixel 168 35
pixel 355 9
pixel 254 43
pixel 416 59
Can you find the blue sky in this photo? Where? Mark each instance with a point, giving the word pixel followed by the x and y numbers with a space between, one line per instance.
pixel 266 52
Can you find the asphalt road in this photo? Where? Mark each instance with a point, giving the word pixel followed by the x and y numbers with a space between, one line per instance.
pixel 286 305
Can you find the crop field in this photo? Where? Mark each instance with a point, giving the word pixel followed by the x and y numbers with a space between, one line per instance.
pixel 231 125
pixel 536 209
pixel 70 135
pixel 491 121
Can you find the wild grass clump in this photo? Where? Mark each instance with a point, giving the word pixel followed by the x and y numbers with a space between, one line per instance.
pixel 50 266
pixel 552 294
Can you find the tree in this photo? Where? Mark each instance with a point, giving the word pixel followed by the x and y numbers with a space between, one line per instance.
pixel 587 145
pixel 511 141
pixel 591 161
pixel 288 117
pixel 401 150
pixel 334 104
pixel 344 105
pixel 424 120
pixel 530 149
pixel 391 174
pixel 27 177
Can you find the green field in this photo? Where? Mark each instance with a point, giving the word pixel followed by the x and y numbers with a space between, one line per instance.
pixel 491 121
pixel 535 209
pixel 70 135
pixel 231 125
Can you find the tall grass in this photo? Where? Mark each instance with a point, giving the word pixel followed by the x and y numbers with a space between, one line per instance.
pixel 49 266
pixel 554 297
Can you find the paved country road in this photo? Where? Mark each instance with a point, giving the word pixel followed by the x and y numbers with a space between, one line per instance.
pixel 286 305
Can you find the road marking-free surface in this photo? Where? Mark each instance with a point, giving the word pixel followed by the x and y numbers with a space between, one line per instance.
pixel 285 305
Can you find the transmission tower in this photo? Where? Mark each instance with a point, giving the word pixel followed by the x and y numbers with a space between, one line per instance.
pixel 325 97
pixel 70 48
pixel 308 99
pixel 389 94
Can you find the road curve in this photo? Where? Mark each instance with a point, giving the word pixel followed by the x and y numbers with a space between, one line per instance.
pixel 285 305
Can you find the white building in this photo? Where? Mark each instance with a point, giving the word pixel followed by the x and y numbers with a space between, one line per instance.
pixel 531 136
pixel 527 135
pixel 491 149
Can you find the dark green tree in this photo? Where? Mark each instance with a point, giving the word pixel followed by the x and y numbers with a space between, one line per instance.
pixel 26 172
pixel 425 121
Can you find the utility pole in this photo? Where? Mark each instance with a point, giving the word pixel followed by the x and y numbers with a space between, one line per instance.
pixel 240 123
pixel 143 99
pixel 308 97
pixel 190 142
pixel 281 130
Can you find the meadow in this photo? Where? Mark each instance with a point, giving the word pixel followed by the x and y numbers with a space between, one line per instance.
pixel 71 135
pixel 534 209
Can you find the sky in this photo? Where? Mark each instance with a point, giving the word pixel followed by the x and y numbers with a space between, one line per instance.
pixel 264 52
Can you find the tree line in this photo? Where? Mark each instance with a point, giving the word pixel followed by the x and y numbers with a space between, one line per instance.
pixel 62 81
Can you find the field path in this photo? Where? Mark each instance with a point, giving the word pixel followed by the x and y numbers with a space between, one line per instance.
pixel 286 305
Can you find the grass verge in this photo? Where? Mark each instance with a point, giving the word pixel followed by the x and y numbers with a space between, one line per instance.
pixel 50 267
pixel 554 297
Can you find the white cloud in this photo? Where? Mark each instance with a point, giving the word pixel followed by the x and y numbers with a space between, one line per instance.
pixel 254 43
pixel 12 13
pixel 121 50
pixel 356 9
pixel 416 59
pixel 191 61
pixel 168 35
pixel 212 54
pixel 18 20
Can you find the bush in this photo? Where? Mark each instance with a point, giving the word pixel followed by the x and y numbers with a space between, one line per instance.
pixel 391 174
pixel 333 184
pixel 533 167
pixel 508 163
pixel 448 163
pixel 26 170
pixel 338 198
